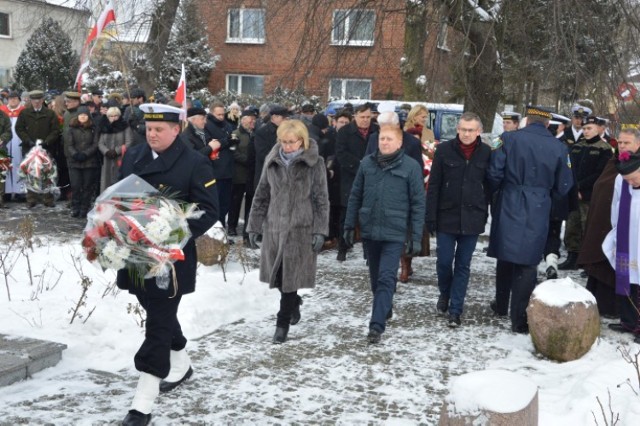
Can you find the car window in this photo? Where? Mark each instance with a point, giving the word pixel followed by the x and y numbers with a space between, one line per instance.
pixel 431 120
pixel 448 126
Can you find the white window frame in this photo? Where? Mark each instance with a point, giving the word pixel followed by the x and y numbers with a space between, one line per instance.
pixel 240 77
pixel 347 41
pixel 241 39
pixel 9 24
pixel 343 89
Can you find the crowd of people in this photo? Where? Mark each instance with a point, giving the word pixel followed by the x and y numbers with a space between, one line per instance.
pixel 308 181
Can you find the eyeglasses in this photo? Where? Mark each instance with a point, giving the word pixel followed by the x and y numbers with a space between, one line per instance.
pixel 289 143
pixel 113 116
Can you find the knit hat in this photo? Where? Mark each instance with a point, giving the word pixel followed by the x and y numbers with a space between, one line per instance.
pixel 321 121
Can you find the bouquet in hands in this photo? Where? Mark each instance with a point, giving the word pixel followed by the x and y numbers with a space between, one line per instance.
pixel 134 226
pixel 5 164
pixel 39 171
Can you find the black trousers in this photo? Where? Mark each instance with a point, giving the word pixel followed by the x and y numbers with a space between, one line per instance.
pixel 334 222
pixel 553 238
pixel 519 280
pixel 224 198
pixel 162 335
pixel 342 244
pixel 238 193
pixel 605 297
pixel 288 303
pixel 82 187
pixel 628 307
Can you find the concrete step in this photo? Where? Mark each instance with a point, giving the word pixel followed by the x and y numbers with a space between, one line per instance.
pixel 20 357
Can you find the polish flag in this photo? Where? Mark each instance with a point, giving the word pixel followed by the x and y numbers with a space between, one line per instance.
pixel 181 93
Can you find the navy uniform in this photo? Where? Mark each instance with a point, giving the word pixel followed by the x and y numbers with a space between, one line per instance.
pixel 187 174
pixel 573 134
pixel 589 158
pixel 559 206
pixel 526 169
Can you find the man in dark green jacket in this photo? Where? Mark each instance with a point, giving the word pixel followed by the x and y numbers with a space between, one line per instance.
pixel 387 199
pixel 38 122
pixel 5 139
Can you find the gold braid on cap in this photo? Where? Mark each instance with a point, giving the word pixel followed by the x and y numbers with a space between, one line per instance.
pixel 539 112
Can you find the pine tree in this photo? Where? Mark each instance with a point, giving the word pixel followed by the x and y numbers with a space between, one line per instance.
pixel 188 45
pixel 48 60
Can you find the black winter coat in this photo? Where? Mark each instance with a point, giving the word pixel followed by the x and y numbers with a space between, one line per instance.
pixel 187 174
pixel 264 140
pixel 194 141
pixel 458 194
pixel 240 151
pixel 220 130
pixel 81 140
pixel 350 150
pixel 588 160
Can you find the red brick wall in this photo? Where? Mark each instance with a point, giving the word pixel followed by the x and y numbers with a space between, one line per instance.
pixel 297 50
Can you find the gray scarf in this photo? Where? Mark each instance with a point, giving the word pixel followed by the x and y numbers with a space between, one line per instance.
pixel 287 158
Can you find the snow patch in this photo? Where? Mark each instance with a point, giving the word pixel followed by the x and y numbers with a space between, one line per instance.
pixel 562 292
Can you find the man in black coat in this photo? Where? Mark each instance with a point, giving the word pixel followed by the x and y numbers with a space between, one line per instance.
pixel 351 145
pixel 264 139
pixel 218 130
pixel 242 172
pixel 168 164
pixel 457 200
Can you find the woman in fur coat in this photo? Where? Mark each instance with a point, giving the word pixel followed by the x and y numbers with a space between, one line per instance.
pixel 114 137
pixel 291 211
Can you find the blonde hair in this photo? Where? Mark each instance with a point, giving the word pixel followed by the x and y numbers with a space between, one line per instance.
pixel 114 111
pixel 295 128
pixel 412 116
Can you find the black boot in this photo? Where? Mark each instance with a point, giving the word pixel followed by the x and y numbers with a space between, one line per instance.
pixel 295 315
pixel 136 418
pixel 281 335
pixel 342 255
pixel 570 262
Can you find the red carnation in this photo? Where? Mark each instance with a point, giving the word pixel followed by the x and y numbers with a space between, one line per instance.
pixel 624 156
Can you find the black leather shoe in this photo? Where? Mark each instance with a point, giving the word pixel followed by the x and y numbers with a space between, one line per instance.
pixel 570 262
pixel 618 327
pixel 75 213
pixel 232 232
pixel 374 337
pixel 167 386
pixel 523 329
pixel 494 307
pixel 281 335
pixel 454 321
pixel 342 256
pixel 443 305
pixel 136 418
pixel 295 315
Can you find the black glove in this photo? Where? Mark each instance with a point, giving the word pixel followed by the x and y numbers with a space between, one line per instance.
pixel 431 227
pixel 412 248
pixel 253 240
pixel 349 237
pixel 111 154
pixel 79 156
pixel 317 242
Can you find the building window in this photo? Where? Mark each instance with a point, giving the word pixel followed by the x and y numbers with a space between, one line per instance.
pixel 353 27
pixel 442 36
pixel 245 84
pixel 5 28
pixel 5 76
pixel 349 89
pixel 245 26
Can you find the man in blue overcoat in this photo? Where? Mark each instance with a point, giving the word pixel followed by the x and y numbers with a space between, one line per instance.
pixel 527 169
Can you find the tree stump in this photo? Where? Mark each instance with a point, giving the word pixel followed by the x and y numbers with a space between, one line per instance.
pixel 490 397
pixel 563 320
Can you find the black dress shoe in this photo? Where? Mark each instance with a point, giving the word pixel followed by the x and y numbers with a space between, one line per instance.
pixel 281 335
pixel 342 256
pixel 233 232
pixel 522 329
pixel 570 262
pixel 295 315
pixel 136 418
pixel 494 307
pixel 618 327
pixel 443 305
pixel 167 386
pixel 374 337
pixel 75 213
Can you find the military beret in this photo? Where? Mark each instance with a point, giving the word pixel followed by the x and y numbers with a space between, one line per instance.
pixel 36 94
pixel 510 115
pixel 627 163
pixel 196 111
pixel 592 119
pixel 539 111
pixel 161 112
pixel 279 110
pixel 72 95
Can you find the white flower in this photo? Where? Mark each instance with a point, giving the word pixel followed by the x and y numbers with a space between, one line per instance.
pixel 158 230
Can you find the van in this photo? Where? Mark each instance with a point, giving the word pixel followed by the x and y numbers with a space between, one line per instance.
pixel 443 118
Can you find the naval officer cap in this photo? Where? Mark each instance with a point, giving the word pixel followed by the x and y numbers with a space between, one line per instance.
pixel 510 115
pixel 36 94
pixel 560 119
pixel 581 111
pixel 161 112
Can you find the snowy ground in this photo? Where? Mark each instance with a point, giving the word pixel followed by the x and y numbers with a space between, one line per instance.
pixel 325 373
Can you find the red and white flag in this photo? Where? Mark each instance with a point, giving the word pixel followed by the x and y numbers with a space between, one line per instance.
pixel 107 16
pixel 181 93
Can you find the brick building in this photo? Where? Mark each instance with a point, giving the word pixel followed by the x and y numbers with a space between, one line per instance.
pixel 331 52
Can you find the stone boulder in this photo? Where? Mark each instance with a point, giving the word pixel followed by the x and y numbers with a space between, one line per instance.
pixel 490 397
pixel 563 319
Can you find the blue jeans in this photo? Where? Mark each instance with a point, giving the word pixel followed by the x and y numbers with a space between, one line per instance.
pixel 453 280
pixel 384 257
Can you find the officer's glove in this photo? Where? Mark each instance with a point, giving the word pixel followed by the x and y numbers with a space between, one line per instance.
pixel 253 240
pixel 412 248
pixel 349 237
pixel 317 242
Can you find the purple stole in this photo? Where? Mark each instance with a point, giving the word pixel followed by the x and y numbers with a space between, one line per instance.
pixel 622 241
